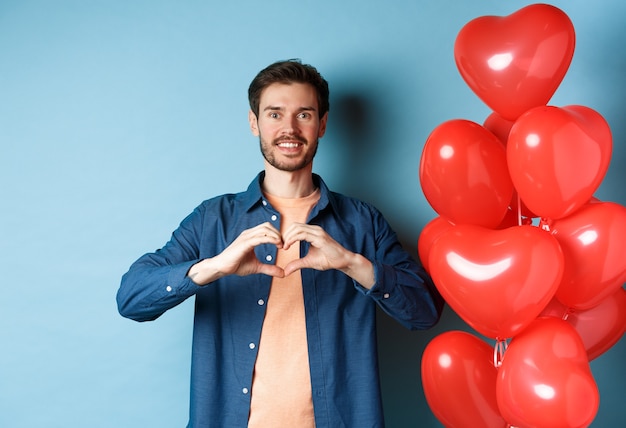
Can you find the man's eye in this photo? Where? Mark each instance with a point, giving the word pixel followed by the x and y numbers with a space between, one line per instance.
pixel 273 115
pixel 304 115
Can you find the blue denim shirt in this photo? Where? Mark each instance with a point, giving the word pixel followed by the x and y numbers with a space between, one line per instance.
pixel 340 313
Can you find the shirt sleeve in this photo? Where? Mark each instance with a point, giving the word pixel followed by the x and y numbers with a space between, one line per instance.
pixel 158 281
pixel 403 289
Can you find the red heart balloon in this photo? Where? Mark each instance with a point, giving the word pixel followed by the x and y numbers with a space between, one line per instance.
pixel 463 174
pixel 600 327
pixel 593 240
pixel 459 381
pixel 516 62
pixel 498 281
pixel 557 158
pixel 545 379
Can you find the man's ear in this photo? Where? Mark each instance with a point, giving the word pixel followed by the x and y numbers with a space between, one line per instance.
pixel 254 124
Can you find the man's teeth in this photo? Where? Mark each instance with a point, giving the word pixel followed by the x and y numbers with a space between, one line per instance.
pixel 289 145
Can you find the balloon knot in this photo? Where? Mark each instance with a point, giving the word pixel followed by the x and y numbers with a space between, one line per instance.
pixel 498 352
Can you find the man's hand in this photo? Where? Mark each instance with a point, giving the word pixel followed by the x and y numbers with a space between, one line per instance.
pixel 325 253
pixel 239 258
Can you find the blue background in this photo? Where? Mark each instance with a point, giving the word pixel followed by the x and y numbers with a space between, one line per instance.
pixel 118 117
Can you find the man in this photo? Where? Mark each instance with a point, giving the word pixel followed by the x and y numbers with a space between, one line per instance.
pixel 286 278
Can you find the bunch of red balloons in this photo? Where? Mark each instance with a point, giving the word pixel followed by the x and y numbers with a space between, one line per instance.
pixel 521 249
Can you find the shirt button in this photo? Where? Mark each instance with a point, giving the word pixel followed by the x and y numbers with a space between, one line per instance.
pixel 245 390
pixel 168 288
pixel 274 217
pixel 261 302
pixel 386 296
pixel 252 346
pixel 268 257
pixel 264 203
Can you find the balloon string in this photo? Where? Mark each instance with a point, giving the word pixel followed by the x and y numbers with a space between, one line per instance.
pixel 498 352
pixel 519 210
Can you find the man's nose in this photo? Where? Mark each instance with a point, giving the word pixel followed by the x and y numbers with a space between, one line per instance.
pixel 290 125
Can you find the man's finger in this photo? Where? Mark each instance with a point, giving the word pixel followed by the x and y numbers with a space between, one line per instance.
pixel 294 266
pixel 271 270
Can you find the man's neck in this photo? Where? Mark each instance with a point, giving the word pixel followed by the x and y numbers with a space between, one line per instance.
pixel 288 184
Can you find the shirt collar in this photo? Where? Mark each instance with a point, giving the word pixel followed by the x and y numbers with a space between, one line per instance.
pixel 254 195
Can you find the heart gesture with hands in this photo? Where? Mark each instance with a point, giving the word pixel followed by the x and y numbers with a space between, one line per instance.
pixel 324 253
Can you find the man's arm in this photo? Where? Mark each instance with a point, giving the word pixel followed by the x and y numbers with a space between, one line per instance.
pixel 403 288
pixel 161 280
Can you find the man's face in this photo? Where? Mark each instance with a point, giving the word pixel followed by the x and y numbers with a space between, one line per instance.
pixel 288 125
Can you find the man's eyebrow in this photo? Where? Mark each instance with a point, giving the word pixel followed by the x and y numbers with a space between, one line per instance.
pixel 278 108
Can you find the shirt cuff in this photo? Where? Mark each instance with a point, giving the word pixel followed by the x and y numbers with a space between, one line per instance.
pixel 178 282
pixel 383 276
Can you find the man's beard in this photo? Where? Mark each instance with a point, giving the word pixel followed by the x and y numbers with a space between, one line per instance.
pixel 266 150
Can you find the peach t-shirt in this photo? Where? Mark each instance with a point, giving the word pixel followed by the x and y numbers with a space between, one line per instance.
pixel 281 385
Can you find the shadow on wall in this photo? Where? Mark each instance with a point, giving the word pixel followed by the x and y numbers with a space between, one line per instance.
pixel 355 137
pixel 357 133
pixel 363 137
